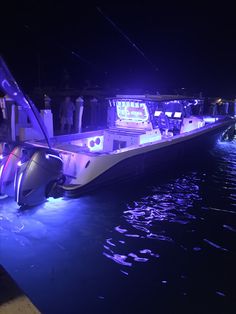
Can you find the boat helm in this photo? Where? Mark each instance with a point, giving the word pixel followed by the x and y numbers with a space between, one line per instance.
pixel 163 122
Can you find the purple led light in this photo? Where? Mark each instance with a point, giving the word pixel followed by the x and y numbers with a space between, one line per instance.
pixel 133 111
pixel 210 119
pixel 1 169
pixel 18 187
pixel 53 156
pixel 95 143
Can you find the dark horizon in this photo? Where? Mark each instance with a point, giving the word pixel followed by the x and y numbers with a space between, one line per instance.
pixel 189 47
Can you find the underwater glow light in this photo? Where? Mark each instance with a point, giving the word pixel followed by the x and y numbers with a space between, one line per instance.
pixel 1 157
pixel 55 200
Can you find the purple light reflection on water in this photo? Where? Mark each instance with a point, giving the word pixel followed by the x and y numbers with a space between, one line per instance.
pixel 167 204
pixel 57 245
pixel 183 232
pixel 38 242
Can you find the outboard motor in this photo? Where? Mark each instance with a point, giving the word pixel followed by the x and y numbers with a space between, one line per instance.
pixel 4 153
pixel 37 177
pixel 9 166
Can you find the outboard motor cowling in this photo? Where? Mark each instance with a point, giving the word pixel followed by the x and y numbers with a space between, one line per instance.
pixel 8 169
pixel 11 158
pixel 35 177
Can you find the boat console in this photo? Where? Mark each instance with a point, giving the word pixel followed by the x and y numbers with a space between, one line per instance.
pixel 153 115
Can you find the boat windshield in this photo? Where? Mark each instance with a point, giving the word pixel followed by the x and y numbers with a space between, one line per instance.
pixel 173 106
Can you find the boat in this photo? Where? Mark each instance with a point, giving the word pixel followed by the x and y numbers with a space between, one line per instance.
pixel 145 132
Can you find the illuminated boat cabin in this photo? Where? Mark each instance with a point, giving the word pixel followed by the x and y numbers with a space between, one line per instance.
pixel 137 120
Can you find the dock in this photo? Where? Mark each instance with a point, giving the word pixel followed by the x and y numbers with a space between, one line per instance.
pixel 12 299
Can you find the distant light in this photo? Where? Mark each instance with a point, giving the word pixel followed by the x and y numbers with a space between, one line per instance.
pixel 1 157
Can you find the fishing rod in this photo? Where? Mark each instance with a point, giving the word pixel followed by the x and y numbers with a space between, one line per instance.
pixel 125 36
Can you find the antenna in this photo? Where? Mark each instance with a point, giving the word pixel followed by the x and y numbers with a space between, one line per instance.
pixel 128 39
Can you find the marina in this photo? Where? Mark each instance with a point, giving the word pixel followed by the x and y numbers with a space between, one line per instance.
pixel 144 131
pixel 152 201
pixel 117 158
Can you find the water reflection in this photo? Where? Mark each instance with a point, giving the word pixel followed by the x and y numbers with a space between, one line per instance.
pixel 36 231
pixel 147 220
pixel 184 205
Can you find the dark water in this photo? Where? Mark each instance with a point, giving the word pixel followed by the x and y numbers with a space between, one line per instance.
pixel 160 245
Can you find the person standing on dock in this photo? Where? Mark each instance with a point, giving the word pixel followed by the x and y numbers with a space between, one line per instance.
pixel 79 108
pixel 47 102
pixel 94 112
pixel 67 109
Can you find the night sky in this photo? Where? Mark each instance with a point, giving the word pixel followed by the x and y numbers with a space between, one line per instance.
pixel 190 46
